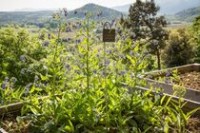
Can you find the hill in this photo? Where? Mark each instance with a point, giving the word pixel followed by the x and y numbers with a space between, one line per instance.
pixel 21 17
pixel 36 17
pixel 189 14
pixel 107 13
pixel 167 6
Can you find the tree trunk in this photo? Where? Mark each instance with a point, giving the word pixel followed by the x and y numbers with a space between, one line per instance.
pixel 158 59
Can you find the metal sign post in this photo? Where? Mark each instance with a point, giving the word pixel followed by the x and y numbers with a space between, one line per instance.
pixel 108 36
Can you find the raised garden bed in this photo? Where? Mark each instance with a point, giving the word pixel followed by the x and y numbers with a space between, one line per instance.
pixel 192 97
pixel 188 76
pixel 10 124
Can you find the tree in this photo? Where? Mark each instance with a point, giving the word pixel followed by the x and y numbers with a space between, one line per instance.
pixel 179 51
pixel 196 37
pixel 146 25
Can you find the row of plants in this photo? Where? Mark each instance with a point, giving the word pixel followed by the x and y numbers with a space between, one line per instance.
pixel 88 90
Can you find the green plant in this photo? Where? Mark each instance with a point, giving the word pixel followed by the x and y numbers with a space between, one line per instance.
pixel 9 95
pixel 179 50
pixel 18 50
pixel 176 119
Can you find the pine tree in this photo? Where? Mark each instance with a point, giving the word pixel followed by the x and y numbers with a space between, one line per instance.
pixel 145 24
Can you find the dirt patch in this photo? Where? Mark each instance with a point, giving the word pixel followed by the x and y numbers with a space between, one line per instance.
pixel 12 124
pixel 194 125
pixel 191 80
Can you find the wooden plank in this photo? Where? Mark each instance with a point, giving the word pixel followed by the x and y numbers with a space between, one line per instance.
pixel 2 130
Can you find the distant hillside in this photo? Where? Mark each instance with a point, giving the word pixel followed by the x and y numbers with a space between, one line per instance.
pixel 174 6
pixel 43 16
pixel 107 13
pixel 189 14
pixel 24 17
pixel 167 6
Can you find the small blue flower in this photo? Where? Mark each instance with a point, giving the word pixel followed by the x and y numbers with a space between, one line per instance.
pixel 122 56
pixel 168 74
pixel 22 58
pixel 104 74
pixel 122 73
pixel 4 85
pixel 45 43
pixel 109 51
pixel 95 72
pixel 67 66
pixel 27 88
pixel 98 55
pixel 131 53
pixel 107 62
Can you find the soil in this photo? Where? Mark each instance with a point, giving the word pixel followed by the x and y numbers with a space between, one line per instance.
pixel 194 125
pixel 11 125
pixel 191 80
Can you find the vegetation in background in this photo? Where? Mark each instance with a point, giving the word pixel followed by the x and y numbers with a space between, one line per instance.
pixel 145 24
pixel 19 52
pixel 179 50
pixel 196 37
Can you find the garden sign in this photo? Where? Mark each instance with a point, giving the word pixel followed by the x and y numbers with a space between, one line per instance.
pixel 108 33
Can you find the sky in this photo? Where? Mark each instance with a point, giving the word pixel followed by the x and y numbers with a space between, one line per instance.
pixel 14 5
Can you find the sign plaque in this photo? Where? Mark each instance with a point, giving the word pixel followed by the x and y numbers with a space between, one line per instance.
pixel 108 35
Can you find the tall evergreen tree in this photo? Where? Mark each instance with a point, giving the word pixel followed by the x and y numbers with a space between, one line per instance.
pixel 145 24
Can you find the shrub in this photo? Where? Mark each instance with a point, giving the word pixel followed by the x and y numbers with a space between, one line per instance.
pixel 19 49
pixel 178 51
pixel 196 38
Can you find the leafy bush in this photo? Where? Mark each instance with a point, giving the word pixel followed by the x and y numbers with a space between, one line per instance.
pixel 179 50
pixel 145 24
pixel 196 38
pixel 18 52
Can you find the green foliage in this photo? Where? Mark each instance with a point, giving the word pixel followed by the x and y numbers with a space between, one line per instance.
pixel 179 50
pixel 144 24
pixel 86 90
pixel 18 51
pixel 196 37
pixel 9 95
